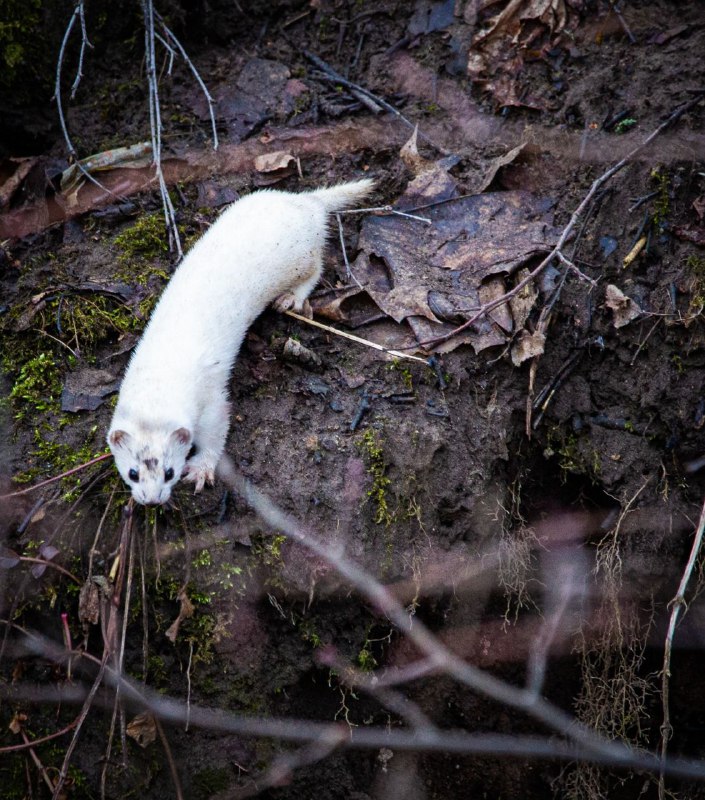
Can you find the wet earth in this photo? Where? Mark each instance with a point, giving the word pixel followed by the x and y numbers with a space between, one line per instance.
pixel 528 487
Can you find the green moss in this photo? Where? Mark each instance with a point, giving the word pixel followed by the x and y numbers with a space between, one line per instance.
pixel 624 125
pixel 572 454
pixel 49 457
pixel 404 372
pixel 37 387
pixel 662 204
pixel 88 320
pixel 309 633
pixel 146 239
pixel 371 447
pixel 365 660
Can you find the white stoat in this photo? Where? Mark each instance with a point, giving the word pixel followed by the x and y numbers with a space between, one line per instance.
pixel 173 414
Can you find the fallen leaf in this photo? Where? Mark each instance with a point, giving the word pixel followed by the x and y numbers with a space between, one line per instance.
pixel 410 155
pixel 445 271
pixel 522 28
pixel 523 302
pixel 497 164
pixel 86 389
pixel 271 162
pixel 185 611
pixel 527 345
pixel 142 728
pixel 8 558
pixel 492 290
pixel 431 16
pixel 15 725
pixel 623 308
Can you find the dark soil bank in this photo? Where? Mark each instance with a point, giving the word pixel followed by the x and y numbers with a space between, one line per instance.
pixel 529 496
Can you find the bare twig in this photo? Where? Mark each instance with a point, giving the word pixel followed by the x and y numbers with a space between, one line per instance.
pixel 390 210
pixel 283 767
pixel 170 759
pixel 177 44
pixel 563 238
pixel 348 269
pixel 155 122
pixel 357 92
pixel 77 13
pixel 88 702
pixel 330 76
pixel 13 748
pixel 388 697
pixel 353 338
pixel 431 647
pixel 678 604
pixel 444 741
pixel 84 43
pixel 57 477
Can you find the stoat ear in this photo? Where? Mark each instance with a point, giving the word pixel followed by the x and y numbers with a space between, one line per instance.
pixel 118 439
pixel 181 436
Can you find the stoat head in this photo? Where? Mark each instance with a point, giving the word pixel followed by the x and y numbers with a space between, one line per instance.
pixel 150 462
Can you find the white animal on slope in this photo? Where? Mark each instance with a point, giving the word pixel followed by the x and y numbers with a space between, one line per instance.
pixel 173 414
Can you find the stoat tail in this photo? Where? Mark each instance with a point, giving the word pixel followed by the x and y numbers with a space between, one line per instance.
pixel 345 195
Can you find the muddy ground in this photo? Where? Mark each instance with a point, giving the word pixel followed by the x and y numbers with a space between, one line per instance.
pixel 501 491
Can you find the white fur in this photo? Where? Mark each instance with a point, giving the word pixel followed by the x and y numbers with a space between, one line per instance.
pixel 267 246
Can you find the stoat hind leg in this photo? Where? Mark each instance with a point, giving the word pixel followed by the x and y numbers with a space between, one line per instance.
pixel 210 443
pixel 297 298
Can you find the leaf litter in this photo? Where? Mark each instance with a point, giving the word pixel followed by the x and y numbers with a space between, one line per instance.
pixel 435 276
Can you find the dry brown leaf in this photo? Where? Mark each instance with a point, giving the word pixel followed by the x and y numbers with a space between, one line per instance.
pixel 185 611
pixel 622 307
pixel 496 57
pixel 497 164
pixel 142 728
pixel 445 271
pixel 523 303
pixel 271 162
pixel 15 725
pixel 410 155
pixel 491 290
pixel 527 345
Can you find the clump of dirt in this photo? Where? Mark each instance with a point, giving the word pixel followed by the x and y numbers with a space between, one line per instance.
pixel 529 494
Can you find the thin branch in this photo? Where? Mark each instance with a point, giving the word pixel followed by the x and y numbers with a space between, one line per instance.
pixel 84 43
pixel 395 701
pixel 440 741
pixel 358 339
pixel 391 210
pixel 677 605
pixel 77 13
pixel 14 748
pixel 177 44
pixel 364 95
pixel 467 674
pixel 487 307
pixel 155 123
pixel 57 477
pixel 88 702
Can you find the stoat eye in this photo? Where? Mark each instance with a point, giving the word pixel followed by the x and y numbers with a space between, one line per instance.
pixel 168 474
pixel 133 475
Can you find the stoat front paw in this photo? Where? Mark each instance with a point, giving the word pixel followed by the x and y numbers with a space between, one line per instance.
pixel 289 302
pixel 200 474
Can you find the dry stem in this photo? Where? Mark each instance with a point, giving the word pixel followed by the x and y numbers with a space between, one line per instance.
pixel 677 605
